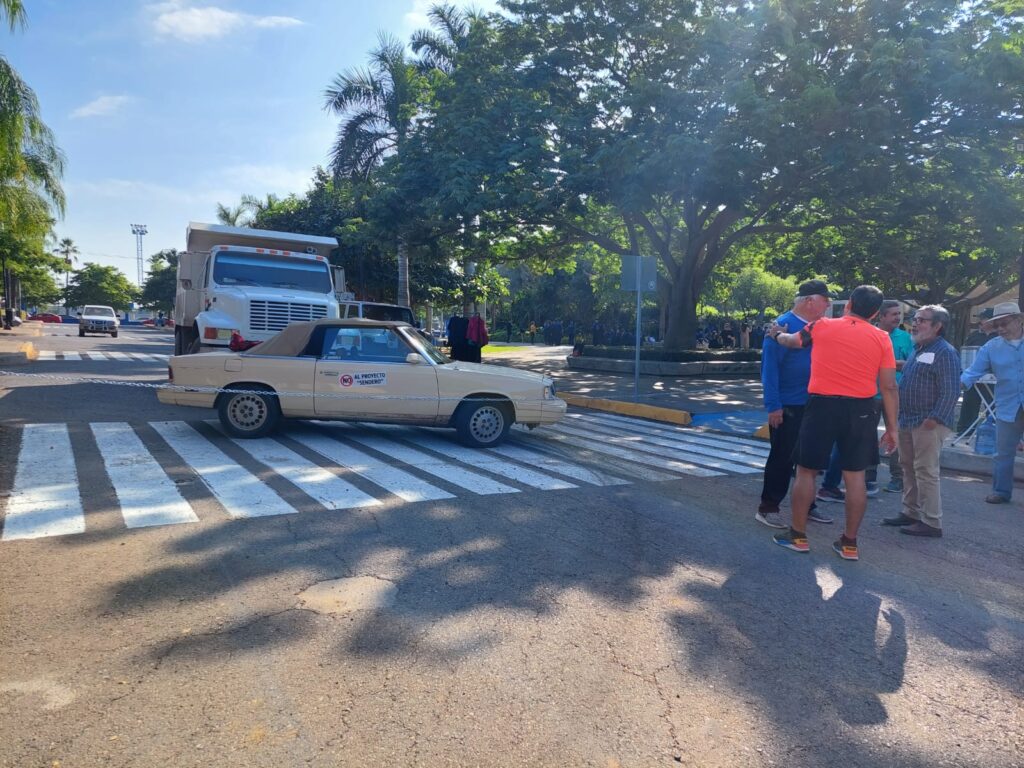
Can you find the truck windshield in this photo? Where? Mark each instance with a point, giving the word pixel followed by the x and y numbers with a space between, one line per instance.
pixel 234 268
pixel 388 312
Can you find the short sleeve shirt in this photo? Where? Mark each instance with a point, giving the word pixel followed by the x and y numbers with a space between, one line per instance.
pixel 847 354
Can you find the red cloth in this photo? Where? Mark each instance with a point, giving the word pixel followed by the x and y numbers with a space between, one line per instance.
pixel 477 332
pixel 238 344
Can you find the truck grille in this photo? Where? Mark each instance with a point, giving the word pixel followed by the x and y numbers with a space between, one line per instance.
pixel 275 315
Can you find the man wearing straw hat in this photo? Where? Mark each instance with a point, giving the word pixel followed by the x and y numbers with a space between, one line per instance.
pixel 1003 357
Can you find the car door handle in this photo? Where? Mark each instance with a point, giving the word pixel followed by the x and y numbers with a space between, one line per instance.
pixel 329 373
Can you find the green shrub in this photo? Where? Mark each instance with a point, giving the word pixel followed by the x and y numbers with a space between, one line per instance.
pixel 681 356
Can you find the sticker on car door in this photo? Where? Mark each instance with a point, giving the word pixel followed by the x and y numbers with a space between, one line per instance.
pixel 364 379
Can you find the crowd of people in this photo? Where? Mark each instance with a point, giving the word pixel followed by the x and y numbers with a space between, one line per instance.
pixel 830 382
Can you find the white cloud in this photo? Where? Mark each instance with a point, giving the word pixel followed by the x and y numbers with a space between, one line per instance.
pixel 104 105
pixel 416 17
pixel 190 24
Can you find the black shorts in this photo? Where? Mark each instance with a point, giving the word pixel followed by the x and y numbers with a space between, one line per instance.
pixel 851 423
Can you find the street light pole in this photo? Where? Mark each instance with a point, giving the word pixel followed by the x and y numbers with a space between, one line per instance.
pixel 139 230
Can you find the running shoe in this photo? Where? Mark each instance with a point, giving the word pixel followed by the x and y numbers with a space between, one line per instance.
pixel 770 518
pixel 845 550
pixel 872 488
pixel 895 486
pixel 815 515
pixel 792 540
pixel 830 494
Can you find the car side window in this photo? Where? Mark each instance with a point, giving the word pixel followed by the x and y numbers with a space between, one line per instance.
pixel 383 345
pixel 341 344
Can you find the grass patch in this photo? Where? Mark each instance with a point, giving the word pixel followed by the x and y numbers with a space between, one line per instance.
pixel 489 350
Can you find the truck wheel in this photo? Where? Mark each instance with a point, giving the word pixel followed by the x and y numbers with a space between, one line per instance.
pixel 250 415
pixel 195 346
pixel 81 333
pixel 483 423
pixel 178 343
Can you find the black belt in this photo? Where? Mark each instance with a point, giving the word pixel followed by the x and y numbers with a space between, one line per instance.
pixel 842 397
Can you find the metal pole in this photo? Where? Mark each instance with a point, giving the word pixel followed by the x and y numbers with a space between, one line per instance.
pixel 139 230
pixel 8 312
pixel 636 362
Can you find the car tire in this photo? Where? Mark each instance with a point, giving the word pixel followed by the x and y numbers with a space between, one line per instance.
pixel 113 335
pixel 483 423
pixel 249 415
pixel 81 333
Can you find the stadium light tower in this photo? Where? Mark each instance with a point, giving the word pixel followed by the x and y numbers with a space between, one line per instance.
pixel 139 230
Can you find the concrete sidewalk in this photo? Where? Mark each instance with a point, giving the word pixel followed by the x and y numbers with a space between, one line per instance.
pixel 15 347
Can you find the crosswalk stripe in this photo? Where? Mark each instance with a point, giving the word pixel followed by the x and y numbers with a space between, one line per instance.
pixel 489 463
pixel 93 355
pixel 71 356
pixel 424 462
pixel 146 494
pixel 402 484
pixel 45 500
pixel 551 464
pixel 46 354
pixel 313 480
pixel 145 357
pixel 240 492
pixel 118 355
pixel 693 446
pixel 684 434
pixel 697 455
pixel 631 464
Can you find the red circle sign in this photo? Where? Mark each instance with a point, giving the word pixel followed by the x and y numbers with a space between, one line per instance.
pixel 346 380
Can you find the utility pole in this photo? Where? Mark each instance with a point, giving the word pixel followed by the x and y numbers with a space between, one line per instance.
pixel 139 230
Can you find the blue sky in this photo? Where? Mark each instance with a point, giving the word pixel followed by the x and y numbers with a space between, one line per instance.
pixel 164 109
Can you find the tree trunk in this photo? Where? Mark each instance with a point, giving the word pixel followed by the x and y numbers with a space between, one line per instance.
pixel 403 274
pixel 681 332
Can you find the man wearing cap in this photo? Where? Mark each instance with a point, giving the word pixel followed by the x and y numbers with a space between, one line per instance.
pixel 784 377
pixel 929 389
pixel 1003 356
pixel 851 360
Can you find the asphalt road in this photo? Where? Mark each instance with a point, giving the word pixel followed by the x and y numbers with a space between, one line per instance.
pixel 600 595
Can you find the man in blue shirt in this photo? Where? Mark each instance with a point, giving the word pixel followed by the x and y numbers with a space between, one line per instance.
pixel 1004 357
pixel 784 377
pixel 929 389
pixel 889 318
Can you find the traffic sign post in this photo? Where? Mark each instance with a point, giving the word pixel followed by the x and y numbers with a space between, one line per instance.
pixel 639 273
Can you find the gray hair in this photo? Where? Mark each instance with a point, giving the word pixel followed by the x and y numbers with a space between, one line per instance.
pixel 939 315
pixel 887 305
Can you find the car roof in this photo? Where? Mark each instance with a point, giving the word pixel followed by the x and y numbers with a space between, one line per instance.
pixel 293 340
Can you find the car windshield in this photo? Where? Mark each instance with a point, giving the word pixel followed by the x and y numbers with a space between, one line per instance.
pixel 236 268
pixel 99 311
pixel 424 347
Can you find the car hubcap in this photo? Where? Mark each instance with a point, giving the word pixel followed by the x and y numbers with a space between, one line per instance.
pixel 247 411
pixel 486 424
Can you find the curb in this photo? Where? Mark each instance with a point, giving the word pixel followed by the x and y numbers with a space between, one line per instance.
pixel 26 353
pixel 656 413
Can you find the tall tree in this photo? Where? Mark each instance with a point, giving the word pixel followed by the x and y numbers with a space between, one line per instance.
pixel 378 107
pixel 161 284
pixel 96 284
pixel 68 252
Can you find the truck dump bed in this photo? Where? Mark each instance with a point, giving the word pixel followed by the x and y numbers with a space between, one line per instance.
pixel 202 237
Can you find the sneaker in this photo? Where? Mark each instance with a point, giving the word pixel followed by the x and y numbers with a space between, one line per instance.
pixel 872 488
pixel 996 498
pixel 815 515
pixel 830 494
pixel 922 529
pixel 900 520
pixel 895 486
pixel 792 540
pixel 769 517
pixel 845 549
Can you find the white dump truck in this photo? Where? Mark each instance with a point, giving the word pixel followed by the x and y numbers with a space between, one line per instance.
pixel 252 281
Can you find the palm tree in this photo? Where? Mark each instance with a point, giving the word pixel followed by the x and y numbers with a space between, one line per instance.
pixel 67 249
pixel 439 49
pixel 233 217
pixel 378 107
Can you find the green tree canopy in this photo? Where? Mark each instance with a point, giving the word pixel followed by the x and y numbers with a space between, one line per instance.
pixel 96 284
pixel 161 284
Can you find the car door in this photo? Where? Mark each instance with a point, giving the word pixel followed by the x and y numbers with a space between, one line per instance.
pixel 363 373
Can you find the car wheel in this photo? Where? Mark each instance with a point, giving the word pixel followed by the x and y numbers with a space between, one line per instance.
pixel 113 335
pixel 81 333
pixel 483 423
pixel 249 415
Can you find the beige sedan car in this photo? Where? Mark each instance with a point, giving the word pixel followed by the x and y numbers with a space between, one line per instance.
pixel 360 370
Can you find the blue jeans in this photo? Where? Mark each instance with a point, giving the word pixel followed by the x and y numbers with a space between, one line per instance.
pixel 1008 434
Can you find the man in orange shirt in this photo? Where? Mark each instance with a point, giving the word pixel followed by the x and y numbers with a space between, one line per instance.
pixel 851 359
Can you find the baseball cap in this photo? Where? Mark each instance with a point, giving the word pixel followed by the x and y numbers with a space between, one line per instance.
pixel 814 288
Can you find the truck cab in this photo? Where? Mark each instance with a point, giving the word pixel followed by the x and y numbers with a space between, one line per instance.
pixel 251 281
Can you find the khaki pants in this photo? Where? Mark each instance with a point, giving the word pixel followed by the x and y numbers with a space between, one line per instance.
pixel 920 450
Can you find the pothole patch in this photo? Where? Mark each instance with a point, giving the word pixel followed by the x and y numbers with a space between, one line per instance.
pixel 360 593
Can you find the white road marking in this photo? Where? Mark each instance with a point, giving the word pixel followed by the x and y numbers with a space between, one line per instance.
pixel 551 464
pixel 696 446
pixel 402 484
pixel 71 356
pixel 45 500
pixel 313 480
pixel 46 354
pixel 118 355
pixel 629 465
pixel 489 462
pixel 685 434
pixel 146 494
pixel 667 453
pixel 424 462
pixel 240 492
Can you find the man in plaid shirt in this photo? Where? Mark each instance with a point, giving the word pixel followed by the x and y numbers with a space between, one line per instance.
pixel 929 389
